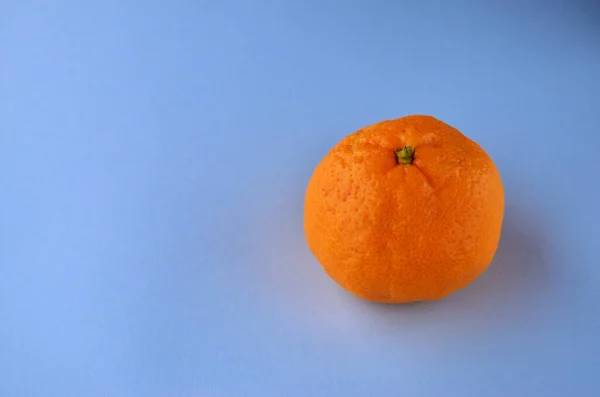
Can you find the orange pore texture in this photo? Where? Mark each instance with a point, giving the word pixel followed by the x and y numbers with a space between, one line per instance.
pixel 398 233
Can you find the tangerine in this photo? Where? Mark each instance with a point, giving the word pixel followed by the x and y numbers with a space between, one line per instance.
pixel 404 210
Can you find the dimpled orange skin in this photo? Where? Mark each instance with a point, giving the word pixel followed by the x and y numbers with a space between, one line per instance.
pixel 399 233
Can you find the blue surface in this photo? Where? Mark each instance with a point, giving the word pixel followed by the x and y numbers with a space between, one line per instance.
pixel 153 160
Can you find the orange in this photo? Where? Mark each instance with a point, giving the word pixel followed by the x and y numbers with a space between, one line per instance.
pixel 404 210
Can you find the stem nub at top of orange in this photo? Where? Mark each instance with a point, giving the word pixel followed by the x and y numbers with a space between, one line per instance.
pixel 404 210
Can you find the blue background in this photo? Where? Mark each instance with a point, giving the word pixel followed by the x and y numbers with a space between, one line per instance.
pixel 153 161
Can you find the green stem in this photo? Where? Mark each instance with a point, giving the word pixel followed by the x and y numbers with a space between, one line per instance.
pixel 405 155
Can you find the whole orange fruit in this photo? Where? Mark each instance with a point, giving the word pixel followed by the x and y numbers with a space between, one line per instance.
pixel 404 210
